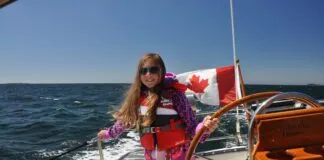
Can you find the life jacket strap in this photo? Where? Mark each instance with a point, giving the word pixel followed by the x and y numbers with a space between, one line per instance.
pixel 168 127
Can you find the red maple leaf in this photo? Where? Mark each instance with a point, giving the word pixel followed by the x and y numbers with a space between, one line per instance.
pixel 197 85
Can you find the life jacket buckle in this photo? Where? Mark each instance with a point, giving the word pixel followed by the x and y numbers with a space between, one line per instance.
pixel 155 129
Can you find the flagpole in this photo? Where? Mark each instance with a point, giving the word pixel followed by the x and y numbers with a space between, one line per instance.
pixel 233 32
pixel 235 59
pixel 237 77
pixel 238 73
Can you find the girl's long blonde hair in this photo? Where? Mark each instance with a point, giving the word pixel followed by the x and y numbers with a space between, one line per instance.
pixel 128 113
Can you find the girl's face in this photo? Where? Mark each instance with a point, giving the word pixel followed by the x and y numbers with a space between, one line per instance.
pixel 150 74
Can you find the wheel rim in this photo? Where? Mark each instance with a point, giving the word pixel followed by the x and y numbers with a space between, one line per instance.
pixel 220 112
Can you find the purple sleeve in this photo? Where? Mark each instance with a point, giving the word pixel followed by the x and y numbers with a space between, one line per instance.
pixel 115 130
pixel 185 111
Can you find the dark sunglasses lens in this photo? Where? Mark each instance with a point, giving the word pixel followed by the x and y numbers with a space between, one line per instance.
pixel 154 69
pixel 144 70
pixel 150 69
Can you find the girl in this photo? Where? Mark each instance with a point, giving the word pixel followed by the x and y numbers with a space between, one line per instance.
pixel 160 112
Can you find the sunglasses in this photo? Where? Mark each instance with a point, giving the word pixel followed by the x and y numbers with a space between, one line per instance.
pixel 143 71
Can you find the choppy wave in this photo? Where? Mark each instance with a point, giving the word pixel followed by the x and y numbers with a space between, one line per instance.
pixel 115 151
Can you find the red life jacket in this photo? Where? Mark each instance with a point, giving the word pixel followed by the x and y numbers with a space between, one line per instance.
pixel 167 131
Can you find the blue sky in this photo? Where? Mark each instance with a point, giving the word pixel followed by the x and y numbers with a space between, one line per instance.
pixel 278 42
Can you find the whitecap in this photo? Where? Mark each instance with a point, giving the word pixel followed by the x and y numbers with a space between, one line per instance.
pixel 124 146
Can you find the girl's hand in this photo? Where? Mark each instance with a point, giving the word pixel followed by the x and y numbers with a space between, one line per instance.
pixel 102 135
pixel 211 124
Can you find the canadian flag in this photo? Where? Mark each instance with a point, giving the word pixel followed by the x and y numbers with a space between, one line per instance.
pixel 211 86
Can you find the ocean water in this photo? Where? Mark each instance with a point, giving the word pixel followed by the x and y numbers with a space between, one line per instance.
pixel 41 121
